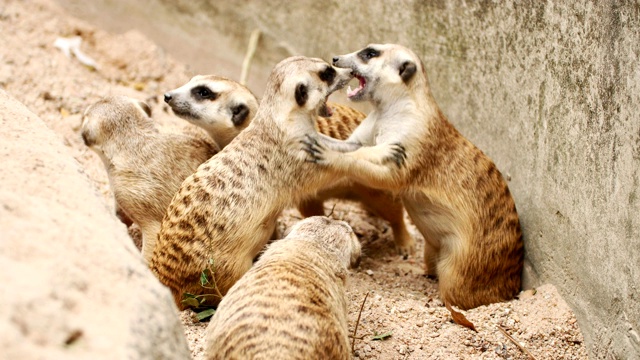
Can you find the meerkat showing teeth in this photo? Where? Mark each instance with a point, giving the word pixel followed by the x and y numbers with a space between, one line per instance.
pixel 224 214
pixel 223 108
pixel 452 191
pixel 145 167
pixel 291 304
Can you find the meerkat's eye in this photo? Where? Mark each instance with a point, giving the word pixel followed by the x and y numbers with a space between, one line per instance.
pixel 328 74
pixel 203 93
pixel 368 54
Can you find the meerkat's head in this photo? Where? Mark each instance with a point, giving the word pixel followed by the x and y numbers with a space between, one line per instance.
pixel 382 70
pixel 335 235
pixel 111 116
pixel 220 106
pixel 301 85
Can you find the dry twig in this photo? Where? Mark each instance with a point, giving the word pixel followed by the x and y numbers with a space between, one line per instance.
pixel 353 343
pixel 517 343
pixel 251 49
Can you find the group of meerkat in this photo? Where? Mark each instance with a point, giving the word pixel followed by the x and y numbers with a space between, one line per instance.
pixel 209 207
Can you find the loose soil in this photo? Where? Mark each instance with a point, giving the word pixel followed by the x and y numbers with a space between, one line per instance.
pixel 403 305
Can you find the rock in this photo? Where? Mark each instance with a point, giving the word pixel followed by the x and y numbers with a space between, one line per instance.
pixel 369 272
pixel 73 285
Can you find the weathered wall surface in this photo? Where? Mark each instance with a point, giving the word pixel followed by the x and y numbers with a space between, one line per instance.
pixel 549 90
pixel 72 284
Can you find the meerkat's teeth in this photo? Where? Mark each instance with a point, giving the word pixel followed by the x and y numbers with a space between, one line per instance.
pixel 349 90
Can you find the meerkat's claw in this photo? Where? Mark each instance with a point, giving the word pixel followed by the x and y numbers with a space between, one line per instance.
pixel 398 154
pixel 313 148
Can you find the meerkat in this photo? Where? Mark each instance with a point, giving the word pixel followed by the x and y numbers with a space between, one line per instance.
pixel 224 107
pixel 224 214
pixel 452 191
pixel 145 167
pixel 291 304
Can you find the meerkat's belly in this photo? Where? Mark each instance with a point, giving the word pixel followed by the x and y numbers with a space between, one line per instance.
pixel 434 221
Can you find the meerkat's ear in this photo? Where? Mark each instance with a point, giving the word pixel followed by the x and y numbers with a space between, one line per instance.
pixel 87 139
pixel 407 70
pixel 145 107
pixel 239 114
pixel 301 94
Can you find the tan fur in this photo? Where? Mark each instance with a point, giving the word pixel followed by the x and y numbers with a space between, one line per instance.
pixel 226 211
pixel 453 192
pixel 214 113
pixel 145 167
pixel 291 304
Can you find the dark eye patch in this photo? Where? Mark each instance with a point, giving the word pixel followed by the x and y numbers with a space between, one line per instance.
pixel 328 74
pixel 302 94
pixel 203 93
pixel 368 54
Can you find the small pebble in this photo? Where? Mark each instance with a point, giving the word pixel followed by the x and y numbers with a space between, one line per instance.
pixel 369 272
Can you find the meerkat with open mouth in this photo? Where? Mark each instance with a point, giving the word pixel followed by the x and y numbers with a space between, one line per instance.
pixel 452 191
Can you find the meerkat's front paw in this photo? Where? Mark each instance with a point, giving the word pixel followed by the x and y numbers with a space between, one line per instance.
pixel 406 249
pixel 395 152
pixel 313 148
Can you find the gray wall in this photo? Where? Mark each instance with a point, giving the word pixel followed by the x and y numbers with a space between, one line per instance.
pixel 549 90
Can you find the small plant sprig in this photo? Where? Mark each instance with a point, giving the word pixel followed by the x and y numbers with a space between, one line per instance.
pixel 207 281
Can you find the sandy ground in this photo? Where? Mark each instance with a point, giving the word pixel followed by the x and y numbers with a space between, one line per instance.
pixel 401 301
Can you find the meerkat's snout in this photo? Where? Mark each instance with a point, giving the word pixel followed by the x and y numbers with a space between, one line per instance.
pixel 167 98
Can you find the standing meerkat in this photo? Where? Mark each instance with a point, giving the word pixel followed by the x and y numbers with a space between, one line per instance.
pixel 145 167
pixel 291 304
pixel 225 212
pixel 223 108
pixel 452 191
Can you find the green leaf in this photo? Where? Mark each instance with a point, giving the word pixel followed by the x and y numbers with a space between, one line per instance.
pixel 203 278
pixel 381 336
pixel 211 261
pixel 191 301
pixel 205 314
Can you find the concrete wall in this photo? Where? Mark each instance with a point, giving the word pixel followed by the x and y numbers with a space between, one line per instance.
pixel 549 90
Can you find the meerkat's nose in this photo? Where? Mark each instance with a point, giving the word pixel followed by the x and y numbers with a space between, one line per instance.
pixel 335 59
pixel 167 98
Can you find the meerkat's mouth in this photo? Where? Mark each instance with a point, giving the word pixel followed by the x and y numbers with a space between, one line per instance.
pixel 363 83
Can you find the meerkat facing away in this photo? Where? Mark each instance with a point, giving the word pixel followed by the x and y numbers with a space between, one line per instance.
pixel 225 212
pixel 291 304
pixel 145 167
pixel 452 191
pixel 223 108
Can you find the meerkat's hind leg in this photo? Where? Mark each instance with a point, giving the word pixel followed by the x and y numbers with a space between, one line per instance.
pixel 149 237
pixel 431 256
pixel 385 205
